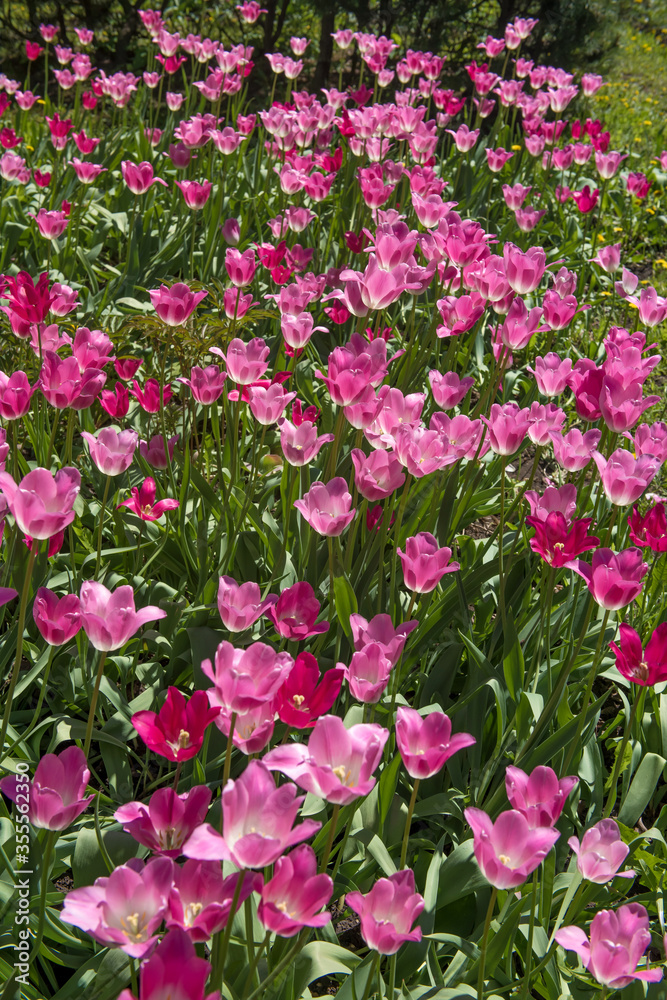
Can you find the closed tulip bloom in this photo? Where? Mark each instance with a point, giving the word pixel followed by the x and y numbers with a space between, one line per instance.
pixel 524 270
pixel 368 673
pixel 301 444
pixel 509 850
pixel 110 619
pixel 245 678
pixel 139 177
pixel 388 912
pixel 614 578
pixel 508 427
pixel 112 452
pixel 116 403
pixel 643 666
pixel 175 305
pixel 551 374
pixel 337 763
pixel 348 376
pixel 15 395
pixel 622 406
pixel 240 604
pixel 177 730
pixel 58 619
pixel 294 897
pixel 378 475
pixel 42 504
pixel 268 403
pixel 326 507
pixel 449 389
pixel 252 729
pixel 601 853
pixel 426 743
pixel 649 531
pixel 295 613
pixel 166 822
pixel 305 695
pixel 56 795
pixel 624 477
pixel 425 563
pixel 574 450
pixel 617 942
pixel 540 795
pixel 174 970
pixel 125 909
pixel 246 363
pixel 64 384
pixel 257 822
pixel 206 384
pixel 200 903
pixel 380 629
pixel 195 195
pixel 154 452
pixel 51 225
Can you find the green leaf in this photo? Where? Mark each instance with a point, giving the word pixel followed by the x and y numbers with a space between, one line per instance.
pixel 642 788
pixel 513 665
pixel 346 602
pixel 318 959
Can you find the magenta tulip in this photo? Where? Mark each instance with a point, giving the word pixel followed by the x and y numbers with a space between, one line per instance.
pixel 112 452
pixel 326 507
pixel 200 902
pixel 57 619
pixel 388 912
pixel 646 667
pixel 56 794
pixel 426 743
pixel 245 678
pixel 42 504
pixel 618 941
pixel 295 613
pixel 424 563
pixel 110 619
pixel 167 821
pixel 240 604
pixel 601 852
pixel 175 305
pixel 380 629
pixel 304 696
pixel 614 578
pixel 177 730
pixel 509 850
pixel 294 897
pixel 173 971
pixel 540 796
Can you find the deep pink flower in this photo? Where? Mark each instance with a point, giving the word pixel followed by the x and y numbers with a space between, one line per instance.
pixel 509 850
pixel 64 384
pixel 305 695
pixel 116 403
pixel 15 395
pixel 56 795
pixel 649 530
pixel 177 730
pixel 337 763
pixel 368 673
pixel 558 542
pixel 194 194
pixel 110 619
pixel 647 667
pixel 154 451
pixel 574 450
pixel 125 909
pixel 377 475
pixel 206 384
pixel 42 504
pixel 449 389
pixel 614 578
pixel 51 225
pixel 268 403
pixel 601 853
pixel 200 902
pixel 540 795
pixel 380 629
pixel 246 363
pixel 624 477
pixel 301 444
pixel 326 507
pixel 618 941
pixel 142 502
pixel 28 301
pixel 551 374
pixel 388 912
pixel 295 613
pixel 174 971
pixel 139 177
pixel 425 563
pixel 257 822
pixel 149 397
pixel 524 270
pixel 508 427
pixel 586 200
pixel 240 604
pixel 348 376
pixel 167 821
pixel 58 619
pixel 175 305
pixel 240 267
pixel 245 678
pixel 294 897
pixel 426 743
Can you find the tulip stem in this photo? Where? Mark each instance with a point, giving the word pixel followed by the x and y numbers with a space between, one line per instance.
pixel 374 966
pixel 228 753
pixel 408 824
pixel 587 696
pixel 219 967
pixel 332 833
pixel 49 841
pixel 611 800
pixel 253 965
pixel 485 941
pixel 93 703
pixel 529 945
pixel 19 644
pixel 99 532
pixel 177 775
pixel 283 964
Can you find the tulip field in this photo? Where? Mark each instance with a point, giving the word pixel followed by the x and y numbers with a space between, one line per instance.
pixel 333 586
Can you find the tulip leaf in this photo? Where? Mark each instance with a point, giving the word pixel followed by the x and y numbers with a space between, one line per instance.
pixel 318 959
pixel 346 602
pixel 642 788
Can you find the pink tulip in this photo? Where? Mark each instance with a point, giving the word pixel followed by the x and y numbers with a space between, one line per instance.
pixel 110 619
pixel 245 678
pixel 125 909
pixel 86 172
pixel 42 505
pixel 649 531
pixel 15 395
pixel 252 729
pixel 301 444
pixel 142 502
pixel 58 619
pixel 613 579
pixel 601 853
pixel 150 398
pixel 524 270
pixel 241 605
pixel 267 403
pixel 177 730
pixel 380 630
pixel 295 613
pixel 175 305
pixel 240 267
pixel 449 389
pixel 231 231
pixel 206 384
pixel 337 763
pixel 426 743
pixel 111 452
pixel 348 376
pixel 64 384
pixel 167 821
pixel 652 307
pixel 574 450
pixel 551 374
pixel 378 475
pixel 609 258
pixel 200 902
pixel 195 195
pixel 51 225
pixel 646 667
pixel 297 330
pixel 56 793
pixel 304 697
pixel 326 507
pixel 508 850
pixel 388 912
pixel 651 439
pixel 618 941
pixel 508 426
pixel 257 822
pixel 139 177
pixel 154 452
pixel 368 673
pixel 294 897
pixel 246 363
pixel 624 478
pixel 539 796
pixel 173 971
pixel 424 563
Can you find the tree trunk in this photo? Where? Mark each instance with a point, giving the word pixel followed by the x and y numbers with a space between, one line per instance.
pixel 323 68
